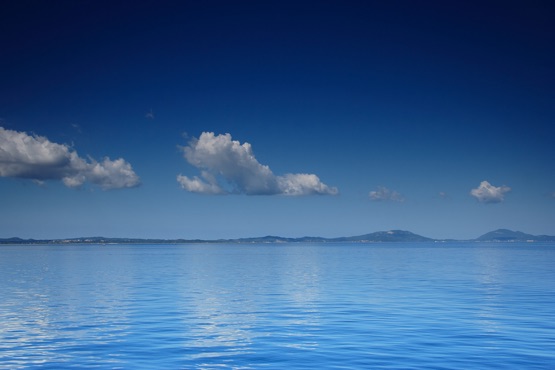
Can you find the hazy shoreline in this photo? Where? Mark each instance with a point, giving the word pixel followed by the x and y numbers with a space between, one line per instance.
pixel 399 236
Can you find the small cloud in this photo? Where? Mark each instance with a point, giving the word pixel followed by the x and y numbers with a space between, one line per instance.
pixel 443 195
pixel 39 182
pixel 35 157
pixel 487 193
pixel 76 127
pixel 229 167
pixel 383 194
pixel 150 114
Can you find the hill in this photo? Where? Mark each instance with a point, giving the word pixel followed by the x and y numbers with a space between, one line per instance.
pixel 385 236
pixel 504 235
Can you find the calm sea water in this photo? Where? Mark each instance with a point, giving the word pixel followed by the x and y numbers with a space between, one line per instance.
pixel 293 306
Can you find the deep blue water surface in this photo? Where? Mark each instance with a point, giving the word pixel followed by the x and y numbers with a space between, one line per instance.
pixel 292 306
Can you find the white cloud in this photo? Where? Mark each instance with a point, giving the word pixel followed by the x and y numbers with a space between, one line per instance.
pixel 383 193
pixel 487 193
pixel 35 157
pixel 303 184
pixel 114 174
pixel 230 167
pixel 196 185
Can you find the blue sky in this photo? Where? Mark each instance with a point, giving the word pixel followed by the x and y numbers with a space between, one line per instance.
pixel 215 119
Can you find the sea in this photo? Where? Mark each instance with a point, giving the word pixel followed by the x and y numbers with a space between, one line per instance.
pixel 449 305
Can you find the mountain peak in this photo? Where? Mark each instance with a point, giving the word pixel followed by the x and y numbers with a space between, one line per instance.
pixel 387 236
pixel 506 235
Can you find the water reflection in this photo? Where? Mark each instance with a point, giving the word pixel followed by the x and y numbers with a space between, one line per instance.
pixel 60 300
pixel 225 314
pixel 292 306
pixel 490 276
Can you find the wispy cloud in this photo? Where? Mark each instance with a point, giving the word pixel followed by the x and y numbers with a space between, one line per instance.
pixel 443 195
pixel 37 158
pixel 229 167
pixel 383 194
pixel 77 128
pixel 487 193
pixel 150 114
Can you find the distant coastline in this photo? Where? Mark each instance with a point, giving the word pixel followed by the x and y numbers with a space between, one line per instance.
pixel 500 235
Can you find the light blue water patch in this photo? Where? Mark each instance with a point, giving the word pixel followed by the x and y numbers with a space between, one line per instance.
pixel 296 306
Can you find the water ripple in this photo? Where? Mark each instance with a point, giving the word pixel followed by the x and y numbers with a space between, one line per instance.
pixel 293 306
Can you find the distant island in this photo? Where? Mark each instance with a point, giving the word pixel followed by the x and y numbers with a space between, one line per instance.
pixel 501 235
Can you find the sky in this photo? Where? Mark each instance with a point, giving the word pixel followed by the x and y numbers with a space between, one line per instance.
pixel 226 119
